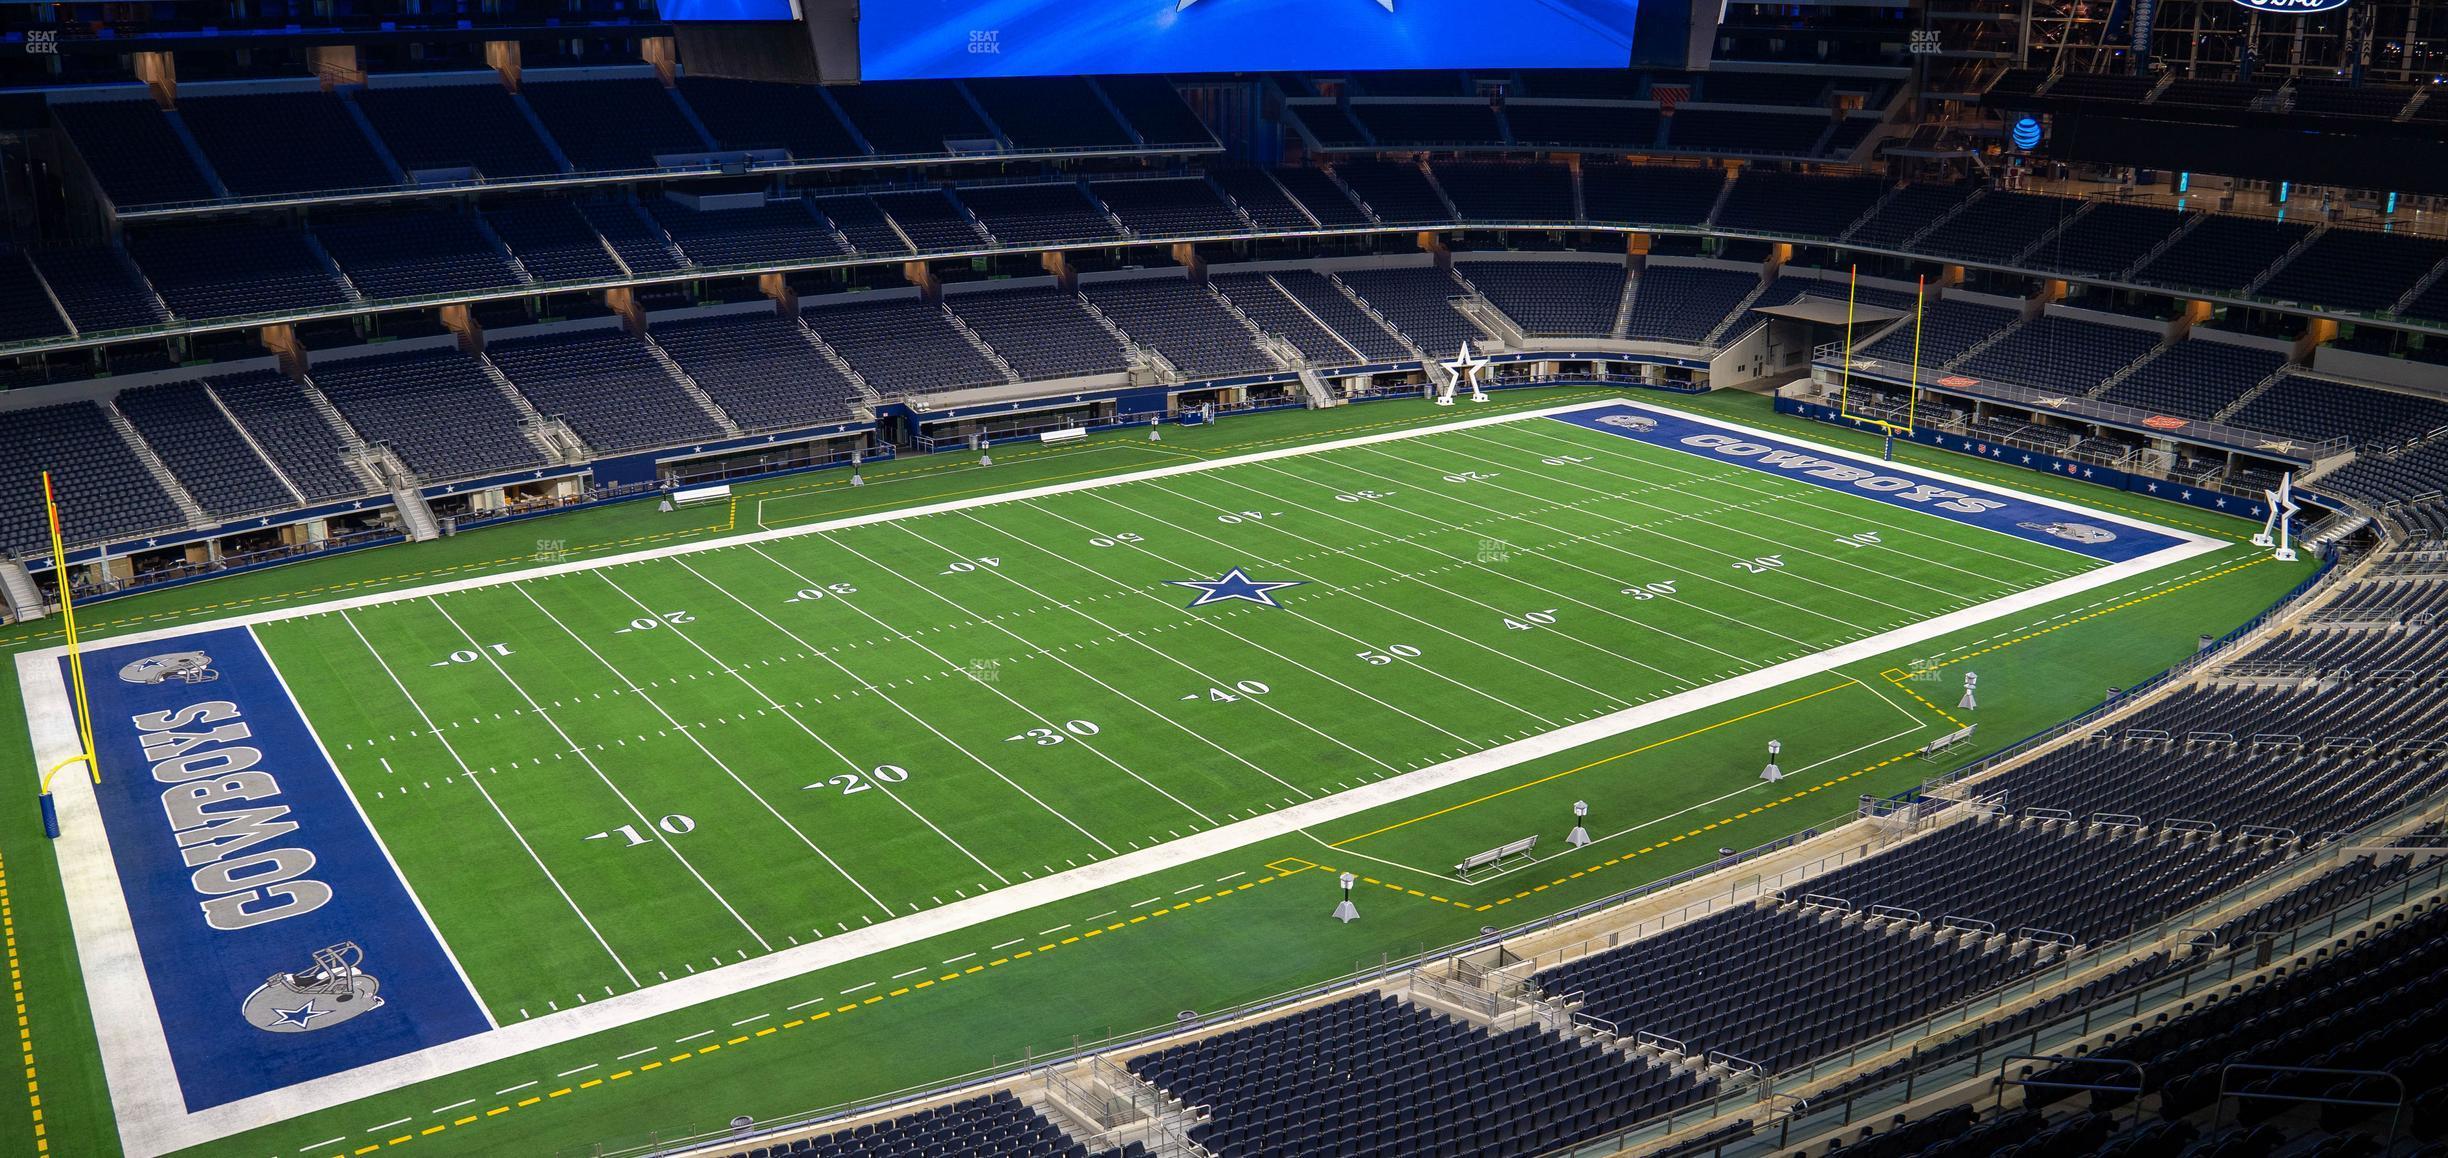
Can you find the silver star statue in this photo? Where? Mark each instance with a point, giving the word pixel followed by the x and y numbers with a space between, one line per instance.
pixel 1466 368
pixel 2282 508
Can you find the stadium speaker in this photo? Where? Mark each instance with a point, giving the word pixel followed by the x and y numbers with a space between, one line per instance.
pixel 819 48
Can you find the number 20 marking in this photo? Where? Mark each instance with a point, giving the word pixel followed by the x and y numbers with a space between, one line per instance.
pixel 850 782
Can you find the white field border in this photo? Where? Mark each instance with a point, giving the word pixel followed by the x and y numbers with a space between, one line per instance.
pixel 152 1116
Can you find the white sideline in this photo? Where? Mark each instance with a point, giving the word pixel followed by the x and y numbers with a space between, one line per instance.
pixel 135 1055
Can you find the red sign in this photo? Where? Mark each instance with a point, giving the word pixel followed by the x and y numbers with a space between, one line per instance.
pixel 2163 422
pixel 1958 381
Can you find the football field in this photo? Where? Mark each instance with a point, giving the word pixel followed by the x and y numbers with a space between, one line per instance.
pixel 597 791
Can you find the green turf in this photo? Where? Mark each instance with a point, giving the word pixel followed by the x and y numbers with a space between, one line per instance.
pixel 1228 943
pixel 603 779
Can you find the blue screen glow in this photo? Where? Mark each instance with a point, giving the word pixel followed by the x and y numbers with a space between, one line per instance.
pixel 728 9
pixel 960 38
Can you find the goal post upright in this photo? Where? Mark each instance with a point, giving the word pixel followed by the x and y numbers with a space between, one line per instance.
pixel 76 664
pixel 1912 391
pixel 1844 390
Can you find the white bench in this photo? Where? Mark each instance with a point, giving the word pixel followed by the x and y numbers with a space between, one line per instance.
pixel 1495 856
pixel 1949 740
pixel 694 495
pixel 1066 434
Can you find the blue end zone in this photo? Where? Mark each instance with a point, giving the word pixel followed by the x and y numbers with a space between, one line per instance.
pixel 241 855
pixel 2111 542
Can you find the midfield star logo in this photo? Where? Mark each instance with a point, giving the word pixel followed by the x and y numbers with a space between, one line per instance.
pixel 1236 584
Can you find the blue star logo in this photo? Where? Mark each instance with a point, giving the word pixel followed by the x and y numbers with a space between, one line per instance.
pixel 303 1016
pixel 1235 584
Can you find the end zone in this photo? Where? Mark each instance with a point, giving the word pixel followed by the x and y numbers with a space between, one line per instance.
pixel 171 989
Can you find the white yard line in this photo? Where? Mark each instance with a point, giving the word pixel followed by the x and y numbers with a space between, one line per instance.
pixel 152 1118
pixel 1365 644
pixel 1041 718
pixel 1528 517
pixel 1111 634
pixel 825 654
pixel 1720 552
pixel 811 733
pixel 481 790
pixel 1213 681
pixel 645 822
pixel 1219 625
pixel 1543 553
pixel 692 734
pixel 1747 480
pixel 1763 512
pixel 422 913
pixel 1036 649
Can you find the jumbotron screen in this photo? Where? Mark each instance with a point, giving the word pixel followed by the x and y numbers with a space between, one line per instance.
pixel 908 39
pixel 729 10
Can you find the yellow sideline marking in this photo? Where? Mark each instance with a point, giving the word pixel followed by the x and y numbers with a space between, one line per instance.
pixel 1895 676
pixel 1592 764
pixel 1610 862
pixel 25 1032
pixel 740 1043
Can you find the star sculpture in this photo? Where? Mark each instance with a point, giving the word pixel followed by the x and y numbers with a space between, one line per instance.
pixel 303 1016
pixel 1466 367
pixel 1235 584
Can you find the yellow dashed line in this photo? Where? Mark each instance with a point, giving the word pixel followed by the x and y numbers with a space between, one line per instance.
pixel 25 1032
pixel 768 1030
pixel 1588 766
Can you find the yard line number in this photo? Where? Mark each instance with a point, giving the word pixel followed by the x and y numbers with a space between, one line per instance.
pixel 1387 656
pixel 1531 620
pixel 651 622
pixel 812 594
pixel 1048 737
pixel 1215 695
pixel 472 656
pixel 676 824
pixel 850 782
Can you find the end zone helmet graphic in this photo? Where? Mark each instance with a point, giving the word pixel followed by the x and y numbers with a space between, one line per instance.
pixel 190 667
pixel 327 992
pixel 1639 422
pixel 2073 532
